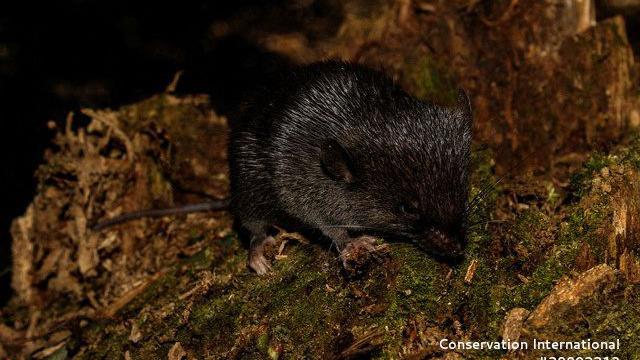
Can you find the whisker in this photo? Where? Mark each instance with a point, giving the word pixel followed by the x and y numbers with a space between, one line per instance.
pixel 401 244
pixel 389 227
pixel 485 190
pixel 472 225
pixel 481 195
pixel 345 226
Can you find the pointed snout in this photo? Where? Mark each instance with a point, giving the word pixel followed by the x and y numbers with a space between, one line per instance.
pixel 443 244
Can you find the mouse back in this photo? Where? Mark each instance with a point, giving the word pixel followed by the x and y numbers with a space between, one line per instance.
pixel 338 144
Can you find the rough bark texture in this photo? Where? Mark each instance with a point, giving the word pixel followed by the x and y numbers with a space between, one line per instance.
pixel 542 78
pixel 557 259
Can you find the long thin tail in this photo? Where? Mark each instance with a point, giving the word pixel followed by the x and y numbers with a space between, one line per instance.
pixel 152 213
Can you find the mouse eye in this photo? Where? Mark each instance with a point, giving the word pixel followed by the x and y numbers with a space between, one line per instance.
pixel 409 208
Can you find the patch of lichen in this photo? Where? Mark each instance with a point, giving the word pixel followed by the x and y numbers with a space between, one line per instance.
pixel 603 179
pixel 582 181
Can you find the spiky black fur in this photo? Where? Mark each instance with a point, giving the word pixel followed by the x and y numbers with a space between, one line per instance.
pixel 340 148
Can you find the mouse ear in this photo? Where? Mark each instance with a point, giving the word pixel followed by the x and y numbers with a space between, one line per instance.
pixel 464 105
pixel 335 161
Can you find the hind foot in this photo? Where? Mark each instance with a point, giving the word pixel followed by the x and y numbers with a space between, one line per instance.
pixel 257 261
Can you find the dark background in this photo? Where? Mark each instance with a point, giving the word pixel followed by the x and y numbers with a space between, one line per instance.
pixel 56 58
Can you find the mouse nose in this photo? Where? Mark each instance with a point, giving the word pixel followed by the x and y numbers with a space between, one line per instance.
pixel 444 244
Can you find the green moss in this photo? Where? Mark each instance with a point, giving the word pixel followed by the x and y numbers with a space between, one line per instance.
pixel 590 212
pixel 630 155
pixel 621 321
pixel 195 236
pixel 262 342
pixel 297 305
pixel 201 260
pixel 300 309
pixel 527 232
pixel 112 346
pixel 581 181
pixel 213 322
pixel 431 81
pixel 545 276
pixel 608 316
pixel 484 188
pixel 154 292
pixel 307 301
pixel 423 287
pixel 554 263
pixel 418 285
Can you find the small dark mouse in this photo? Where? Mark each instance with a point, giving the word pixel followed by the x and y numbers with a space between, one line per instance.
pixel 340 148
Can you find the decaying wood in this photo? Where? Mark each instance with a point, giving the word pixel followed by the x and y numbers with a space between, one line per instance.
pixel 560 248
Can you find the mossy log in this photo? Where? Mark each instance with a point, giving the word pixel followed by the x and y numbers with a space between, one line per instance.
pixel 183 287
pixel 547 258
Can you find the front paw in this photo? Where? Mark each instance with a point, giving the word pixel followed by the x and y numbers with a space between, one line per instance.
pixel 357 252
